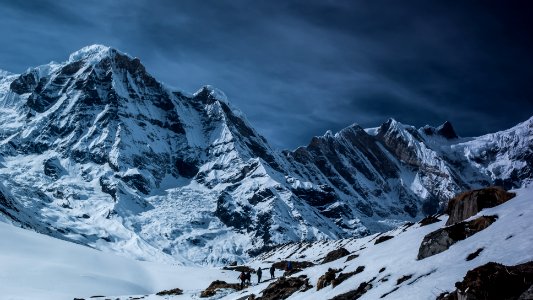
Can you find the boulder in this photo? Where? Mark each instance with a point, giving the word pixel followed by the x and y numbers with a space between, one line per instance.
pixel 467 204
pixel 494 281
pixel 218 284
pixel 335 254
pixel 284 287
pixel 440 240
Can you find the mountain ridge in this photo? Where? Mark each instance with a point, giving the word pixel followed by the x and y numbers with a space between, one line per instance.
pixel 95 150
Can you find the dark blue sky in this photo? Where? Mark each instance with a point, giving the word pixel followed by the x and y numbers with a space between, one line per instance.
pixel 299 68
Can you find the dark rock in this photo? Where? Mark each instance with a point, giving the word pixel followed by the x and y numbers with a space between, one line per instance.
pixel 382 269
pixel 108 187
pixel 429 220
pixel 343 276
pixel 335 254
pixel 352 257
pixel 440 240
pixel 186 168
pixel 53 168
pixel 474 254
pixel 315 197
pixel 175 291
pixel 284 287
pixel 467 204
pixel 355 294
pixel 138 182
pixel 382 238
pixel 403 279
pixel 218 284
pixel 228 214
pixel 239 269
pixel 494 281
pixel 261 196
pixel 446 130
pixel 25 83
pixel 326 279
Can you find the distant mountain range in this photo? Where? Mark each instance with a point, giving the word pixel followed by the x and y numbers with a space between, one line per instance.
pixel 96 151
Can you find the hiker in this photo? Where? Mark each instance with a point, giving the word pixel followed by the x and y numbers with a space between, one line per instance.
pixel 259 273
pixel 242 277
pixel 272 270
pixel 289 266
pixel 249 277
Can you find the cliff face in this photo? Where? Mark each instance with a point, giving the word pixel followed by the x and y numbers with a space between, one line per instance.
pixel 96 151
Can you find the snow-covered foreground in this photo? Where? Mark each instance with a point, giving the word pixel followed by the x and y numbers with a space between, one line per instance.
pixel 35 266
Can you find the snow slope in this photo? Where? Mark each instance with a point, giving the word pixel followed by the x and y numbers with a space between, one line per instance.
pixel 36 266
pixel 508 241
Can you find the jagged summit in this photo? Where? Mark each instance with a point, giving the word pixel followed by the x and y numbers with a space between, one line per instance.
pixel 445 130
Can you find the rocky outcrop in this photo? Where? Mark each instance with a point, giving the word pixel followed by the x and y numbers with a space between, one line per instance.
pixel 325 279
pixel 284 287
pixel 494 281
pixel 440 240
pixel 343 276
pixel 429 220
pixel 216 285
pixel 175 291
pixel 382 238
pixel 335 254
pixel 355 294
pixel 468 204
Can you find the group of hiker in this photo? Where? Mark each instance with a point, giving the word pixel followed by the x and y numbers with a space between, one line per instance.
pixel 246 277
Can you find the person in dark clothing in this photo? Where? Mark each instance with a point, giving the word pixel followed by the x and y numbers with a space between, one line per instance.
pixel 289 265
pixel 259 273
pixel 249 277
pixel 272 270
pixel 242 277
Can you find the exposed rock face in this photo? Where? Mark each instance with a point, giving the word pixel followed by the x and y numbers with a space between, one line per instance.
pixel 284 287
pixel 494 281
pixel 467 204
pixel 335 254
pixel 440 240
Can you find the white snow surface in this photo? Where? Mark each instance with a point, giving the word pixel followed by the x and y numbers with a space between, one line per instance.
pixel 36 266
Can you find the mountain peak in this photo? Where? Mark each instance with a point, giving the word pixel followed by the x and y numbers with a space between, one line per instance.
pixel 94 53
pixel 447 131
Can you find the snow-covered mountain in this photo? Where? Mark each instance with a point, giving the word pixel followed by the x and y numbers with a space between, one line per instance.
pixel 96 151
